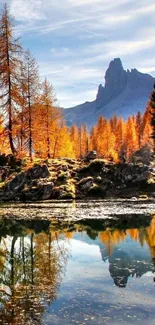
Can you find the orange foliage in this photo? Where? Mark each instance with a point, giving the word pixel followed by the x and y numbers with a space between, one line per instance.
pixel 32 124
pixel 111 238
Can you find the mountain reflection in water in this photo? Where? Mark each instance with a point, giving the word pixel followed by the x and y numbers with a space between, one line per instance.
pixel 36 258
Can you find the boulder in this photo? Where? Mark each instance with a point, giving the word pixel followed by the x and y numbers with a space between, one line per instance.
pixel 24 178
pixel 38 171
pixel 86 183
pixel 17 183
pixel 63 192
pixel 91 155
pixel 46 191
pixel 99 179
pixel 96 190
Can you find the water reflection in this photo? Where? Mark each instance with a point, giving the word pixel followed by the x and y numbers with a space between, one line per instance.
pixel 34 256
pixel 31 266
pixel 125 262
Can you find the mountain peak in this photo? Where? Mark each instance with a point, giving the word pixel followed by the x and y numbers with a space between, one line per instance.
pixel 125 92
pixel 115 82
pixel 116 64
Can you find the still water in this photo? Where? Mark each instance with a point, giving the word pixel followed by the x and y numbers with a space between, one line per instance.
pixel 87 271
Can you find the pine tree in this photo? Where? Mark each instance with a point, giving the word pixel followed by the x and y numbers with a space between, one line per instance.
pixel 9 63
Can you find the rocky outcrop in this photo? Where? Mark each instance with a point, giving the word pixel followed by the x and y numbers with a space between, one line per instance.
pixel 66 179
pixel 124 93
pixel 17 185
pixel 115 82
pixel 18 182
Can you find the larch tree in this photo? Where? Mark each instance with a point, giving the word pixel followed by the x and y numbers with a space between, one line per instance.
pixel 130 140
pixel 139 128
pixel 152 112
pixel 114 123
pixel 74 139
pixel 80 135
pixel 2 135
pixel 47 102
pixel 63 146
pixel 22 121
pixel 10 50
pixel 93 138
pixel 85 140
pixel 47 122
pixel 119 136
pixel 51 114
pixel 31 81
pixel 146 128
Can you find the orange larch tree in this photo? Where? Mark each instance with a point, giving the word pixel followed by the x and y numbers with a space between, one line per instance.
pixel 47 122
pixel 130 140
pixel 74 139
pixel 31 82
pixel 10 51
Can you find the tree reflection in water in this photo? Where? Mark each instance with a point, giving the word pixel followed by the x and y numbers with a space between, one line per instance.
pixel 34 254
pixel 32 267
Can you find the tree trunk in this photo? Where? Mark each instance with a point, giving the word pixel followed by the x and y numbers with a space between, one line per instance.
pixel 47 131
pixel 9 92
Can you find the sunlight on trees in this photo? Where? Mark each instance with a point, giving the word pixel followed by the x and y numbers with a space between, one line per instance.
pixel 32 124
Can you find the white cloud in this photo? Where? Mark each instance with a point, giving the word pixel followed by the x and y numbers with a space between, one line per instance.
pixel 148 70
pixel 74 98
pixel 26 10
pixel 84 2
pixel 82 36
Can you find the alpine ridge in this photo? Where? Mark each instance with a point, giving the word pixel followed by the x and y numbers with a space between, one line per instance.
pixel 124 93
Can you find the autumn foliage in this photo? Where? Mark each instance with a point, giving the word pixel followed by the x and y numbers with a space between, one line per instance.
pixel 32 124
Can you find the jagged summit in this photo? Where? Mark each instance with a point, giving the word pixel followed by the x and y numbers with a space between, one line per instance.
pixel 124 93
pixel 115 82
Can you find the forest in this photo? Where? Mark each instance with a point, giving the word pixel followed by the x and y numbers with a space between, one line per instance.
pixel 32 123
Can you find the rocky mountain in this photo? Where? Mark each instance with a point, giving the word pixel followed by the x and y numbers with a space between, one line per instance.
pixel 124 93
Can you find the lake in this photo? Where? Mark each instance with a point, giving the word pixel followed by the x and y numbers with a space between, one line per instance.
pixel 77 263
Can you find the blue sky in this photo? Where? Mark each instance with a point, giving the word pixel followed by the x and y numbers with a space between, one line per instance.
pixel 73 41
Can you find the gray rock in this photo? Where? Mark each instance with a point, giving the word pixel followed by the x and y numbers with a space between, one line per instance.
pixel 90 155
pixel 99 179
pixel 38 171
pixel 64 168
pixel 86 183
pixel 19 181
pixel 46 191
pixel 62 192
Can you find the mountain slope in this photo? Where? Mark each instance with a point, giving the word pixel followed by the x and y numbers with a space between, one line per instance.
pixel 124 93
